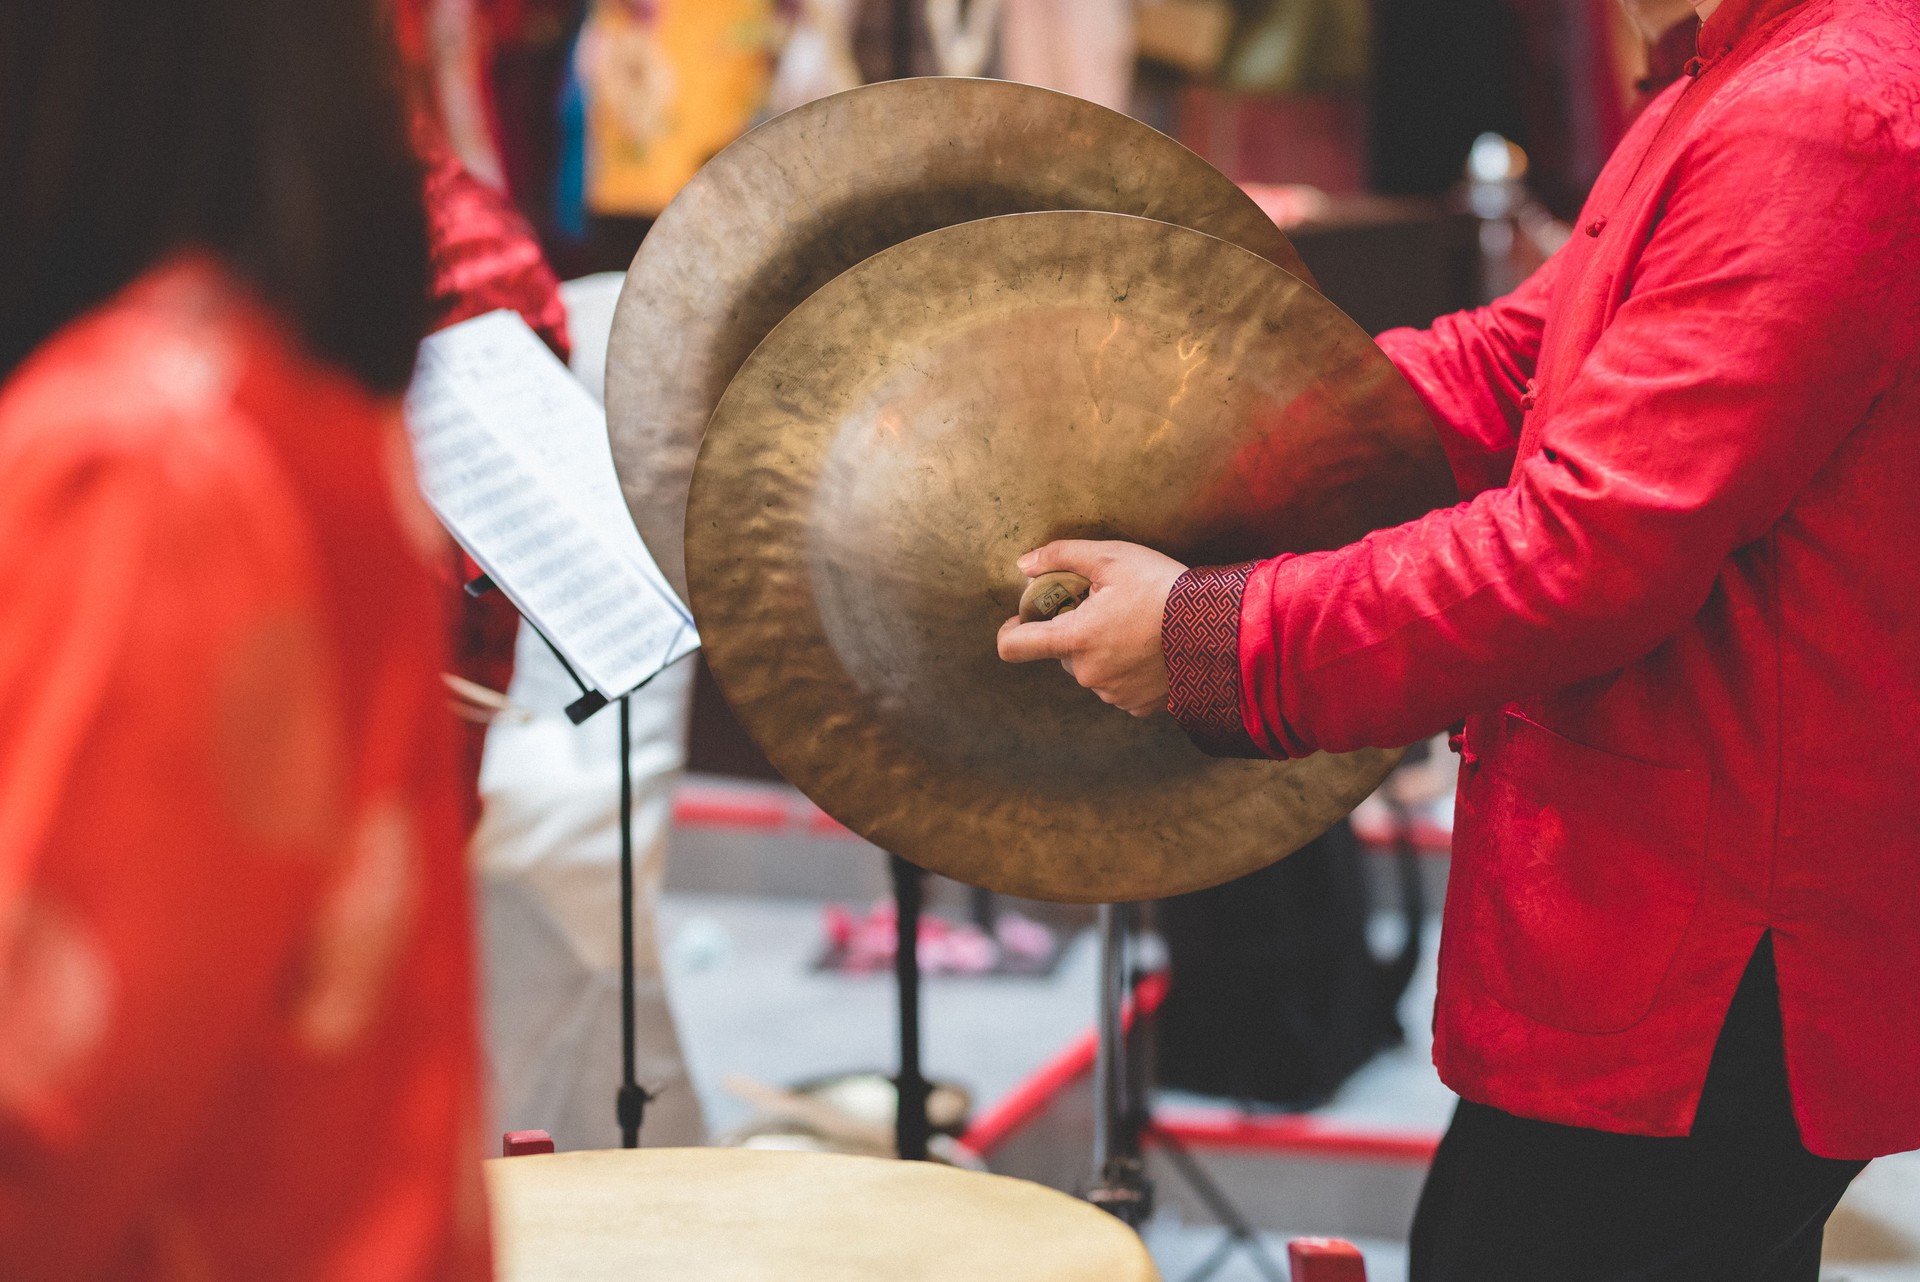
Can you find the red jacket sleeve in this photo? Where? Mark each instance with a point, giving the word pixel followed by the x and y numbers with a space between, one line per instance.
pixel 1775 301
pixel 1473 370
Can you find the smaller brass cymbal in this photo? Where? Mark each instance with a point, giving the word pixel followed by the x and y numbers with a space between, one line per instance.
pixel 886 455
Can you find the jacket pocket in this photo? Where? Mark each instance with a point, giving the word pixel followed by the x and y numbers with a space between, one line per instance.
pixel 1584 872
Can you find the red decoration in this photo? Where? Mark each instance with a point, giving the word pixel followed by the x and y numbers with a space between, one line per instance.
pixel 523 1143
pixel 1325 1259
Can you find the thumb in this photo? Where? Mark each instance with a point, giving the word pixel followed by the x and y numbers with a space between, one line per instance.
pixel 1088 558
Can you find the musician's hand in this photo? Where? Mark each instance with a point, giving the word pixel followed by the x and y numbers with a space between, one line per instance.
pixel 1111 643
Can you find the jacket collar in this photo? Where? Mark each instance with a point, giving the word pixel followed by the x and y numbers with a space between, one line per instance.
pixel 1735 20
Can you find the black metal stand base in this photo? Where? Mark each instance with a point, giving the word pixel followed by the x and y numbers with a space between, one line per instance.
pixel 1123 1124
pixel 1240 1233
pixel 1120 1183
pixel 630 1105
pixel 1124 1191
pixel 911 1130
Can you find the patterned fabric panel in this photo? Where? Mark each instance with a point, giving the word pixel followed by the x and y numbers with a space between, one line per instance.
pixel 1200 635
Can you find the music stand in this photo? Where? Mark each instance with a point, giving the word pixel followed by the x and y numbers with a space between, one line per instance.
pixel 631 1099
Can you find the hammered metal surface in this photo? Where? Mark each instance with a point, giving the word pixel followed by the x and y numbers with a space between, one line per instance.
pixel 908 431
pixel 807 195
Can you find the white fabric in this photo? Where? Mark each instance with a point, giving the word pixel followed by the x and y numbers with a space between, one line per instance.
pixel 1081 47
pixel 962 39
pixel 590 302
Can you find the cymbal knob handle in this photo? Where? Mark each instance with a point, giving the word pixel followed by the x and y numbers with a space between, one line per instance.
pixel 1052 595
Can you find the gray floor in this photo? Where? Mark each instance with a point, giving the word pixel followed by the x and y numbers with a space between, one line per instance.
pixel 1182 1249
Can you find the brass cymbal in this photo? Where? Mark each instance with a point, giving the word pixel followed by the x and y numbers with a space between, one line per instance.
pixel 794 203
pixel 891 448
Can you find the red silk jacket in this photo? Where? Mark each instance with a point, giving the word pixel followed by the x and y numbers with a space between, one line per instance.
pixel 236 995
pixel 1678 610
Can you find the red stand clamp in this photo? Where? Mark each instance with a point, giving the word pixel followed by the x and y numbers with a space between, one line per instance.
pixel 521 1143
pixel 1325 1259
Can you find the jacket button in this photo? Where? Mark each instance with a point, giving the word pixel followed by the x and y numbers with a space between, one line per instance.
pixel 1530 397
pixel 1694 67
pixel 1597 226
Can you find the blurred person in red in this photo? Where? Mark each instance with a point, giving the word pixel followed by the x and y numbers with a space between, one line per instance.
pixel 236 1004
pixel 482 257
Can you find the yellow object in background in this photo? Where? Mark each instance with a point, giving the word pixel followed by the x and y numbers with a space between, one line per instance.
pixel 667 86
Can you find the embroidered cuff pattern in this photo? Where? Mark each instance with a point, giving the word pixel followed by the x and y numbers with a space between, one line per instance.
pixel 1200 636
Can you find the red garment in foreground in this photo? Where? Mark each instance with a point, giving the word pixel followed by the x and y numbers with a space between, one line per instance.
pixel 1679 609
pixel 484 258
pixel 236 1003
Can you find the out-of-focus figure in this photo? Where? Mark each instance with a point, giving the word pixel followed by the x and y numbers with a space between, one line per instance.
pixel 669 83
pixel 1670 29
pixel 964 35
pixel 236 1002
pixel 1286 46
pixel 817 59
pixel 1081 47
pixel 482 256
pixel 450 41
pixel 545 845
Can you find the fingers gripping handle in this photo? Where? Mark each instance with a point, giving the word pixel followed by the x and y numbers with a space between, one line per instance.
pixel 1052 595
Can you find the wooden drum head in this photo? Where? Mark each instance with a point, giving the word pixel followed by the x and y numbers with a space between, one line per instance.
pixel 738 1215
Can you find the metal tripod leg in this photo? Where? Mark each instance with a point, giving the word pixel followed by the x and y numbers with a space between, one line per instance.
pixel 911 1130
pixel 1123 1121
pixel 1239 1231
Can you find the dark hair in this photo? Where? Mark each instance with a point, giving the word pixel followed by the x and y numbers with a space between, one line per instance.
pixel 270 132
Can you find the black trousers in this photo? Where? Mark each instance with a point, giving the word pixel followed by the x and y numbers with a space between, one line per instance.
pixel 1737 1200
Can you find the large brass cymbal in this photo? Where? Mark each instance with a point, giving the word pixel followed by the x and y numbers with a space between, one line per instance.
pixel 792 204
pixel 904 434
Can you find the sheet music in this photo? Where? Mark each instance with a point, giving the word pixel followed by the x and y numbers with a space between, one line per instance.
pixel 513 456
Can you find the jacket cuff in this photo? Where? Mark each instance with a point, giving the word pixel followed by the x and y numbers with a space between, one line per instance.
pixel 1200 637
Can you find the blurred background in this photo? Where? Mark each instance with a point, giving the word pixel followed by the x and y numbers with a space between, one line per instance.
pixel 1359 114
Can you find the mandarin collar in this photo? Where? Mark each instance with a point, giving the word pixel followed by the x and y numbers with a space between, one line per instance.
pixel 1736 20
